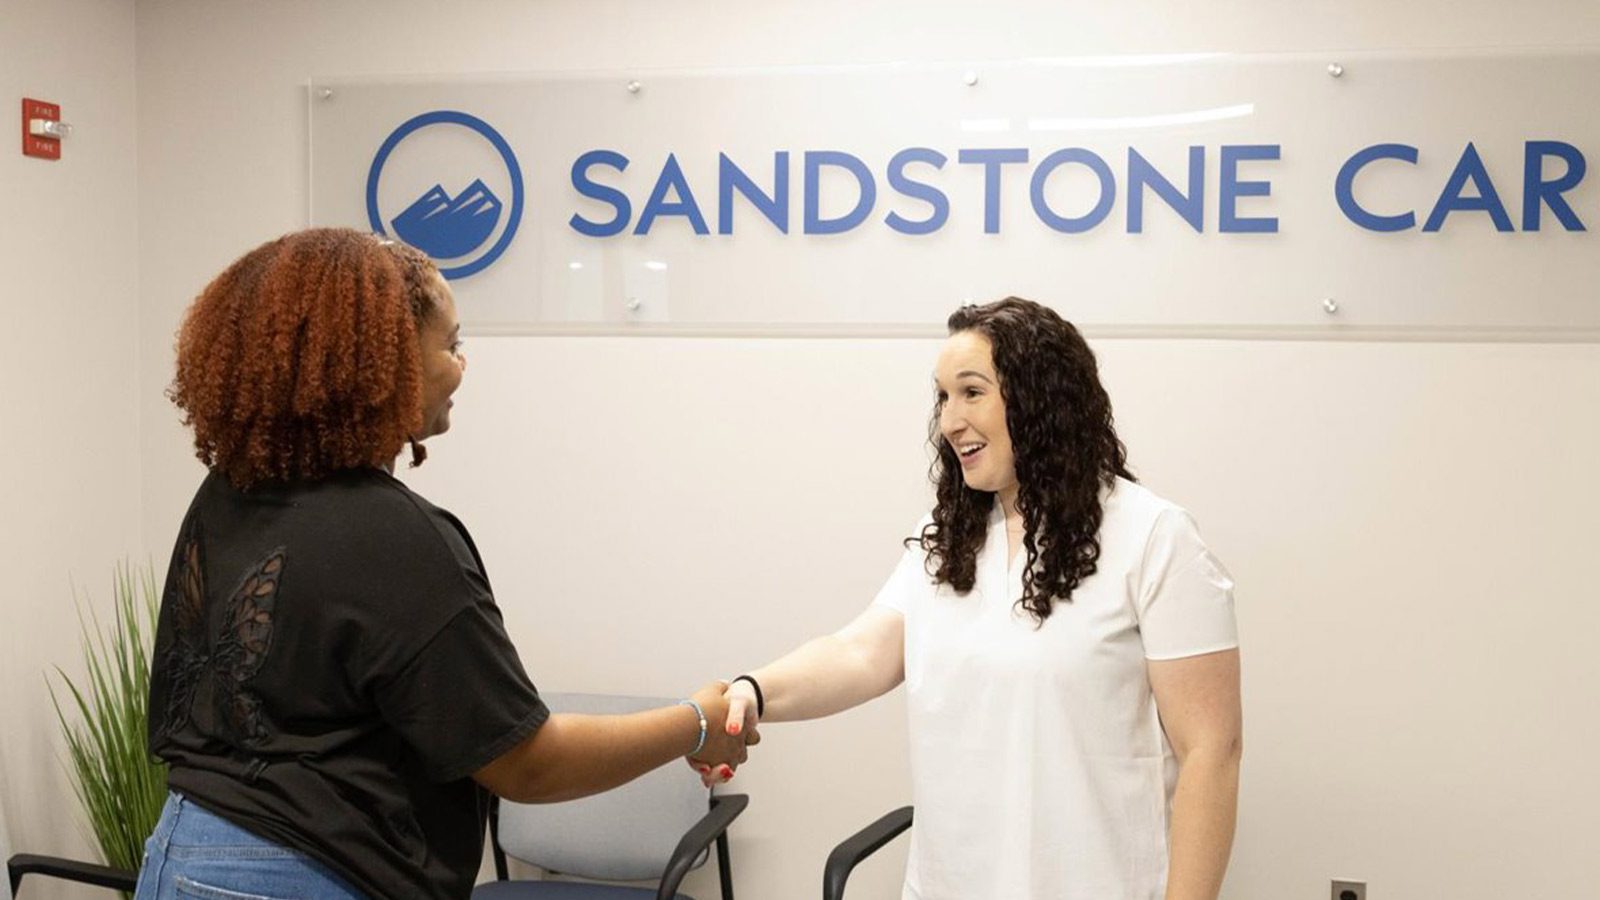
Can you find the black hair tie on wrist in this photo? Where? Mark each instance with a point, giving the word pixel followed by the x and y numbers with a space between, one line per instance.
pixel 761 701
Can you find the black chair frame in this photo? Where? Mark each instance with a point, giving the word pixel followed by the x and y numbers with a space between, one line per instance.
pixel 70 870
pixel 845 857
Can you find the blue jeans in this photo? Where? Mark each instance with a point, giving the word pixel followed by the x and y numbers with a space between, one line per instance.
pixel 194 853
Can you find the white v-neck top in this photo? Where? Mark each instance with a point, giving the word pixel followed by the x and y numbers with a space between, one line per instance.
pixel 1039 767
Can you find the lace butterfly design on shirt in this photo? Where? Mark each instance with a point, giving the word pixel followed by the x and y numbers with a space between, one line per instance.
pixel 216 669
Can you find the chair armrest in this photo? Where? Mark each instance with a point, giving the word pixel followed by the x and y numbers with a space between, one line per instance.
pixel 500 872
pixel 69 869
pixel 724 809
pixel 858 847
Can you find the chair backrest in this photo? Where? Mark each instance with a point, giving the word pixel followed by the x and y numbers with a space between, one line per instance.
pixel 625 834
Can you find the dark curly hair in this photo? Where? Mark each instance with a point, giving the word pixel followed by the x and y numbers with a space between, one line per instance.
pixel 1066 450
pixel 303 359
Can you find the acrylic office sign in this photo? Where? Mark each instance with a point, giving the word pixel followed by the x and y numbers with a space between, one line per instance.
pixel 1423 195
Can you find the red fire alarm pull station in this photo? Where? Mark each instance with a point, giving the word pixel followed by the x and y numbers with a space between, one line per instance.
pixel 42 129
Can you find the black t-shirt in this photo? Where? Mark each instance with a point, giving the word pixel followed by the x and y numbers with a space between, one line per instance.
pixel 330 669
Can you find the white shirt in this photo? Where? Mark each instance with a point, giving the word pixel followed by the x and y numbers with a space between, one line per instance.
pixel 1039 767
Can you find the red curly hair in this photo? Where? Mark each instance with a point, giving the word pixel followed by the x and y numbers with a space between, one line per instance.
pixel 303 357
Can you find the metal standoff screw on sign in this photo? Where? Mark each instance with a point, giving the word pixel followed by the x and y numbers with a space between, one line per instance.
pixel 1335 69
pixel 1330 305
pixel 634 86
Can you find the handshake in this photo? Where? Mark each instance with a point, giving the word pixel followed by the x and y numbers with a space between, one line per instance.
pixel 732 713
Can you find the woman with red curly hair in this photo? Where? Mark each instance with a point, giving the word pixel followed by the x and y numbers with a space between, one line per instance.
pixel 333 688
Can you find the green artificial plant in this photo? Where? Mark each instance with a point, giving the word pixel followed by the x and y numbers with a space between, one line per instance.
pixel 120 785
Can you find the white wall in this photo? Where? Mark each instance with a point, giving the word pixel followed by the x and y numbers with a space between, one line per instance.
pixel 69 410
pixel 1406 521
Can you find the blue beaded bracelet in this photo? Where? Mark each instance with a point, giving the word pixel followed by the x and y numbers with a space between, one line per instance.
pixel 702 714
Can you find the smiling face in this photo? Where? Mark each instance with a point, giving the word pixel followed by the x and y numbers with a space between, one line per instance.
pixel 972 414
pixel 443 364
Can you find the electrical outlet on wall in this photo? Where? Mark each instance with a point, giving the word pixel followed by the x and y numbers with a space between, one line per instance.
pixel 1349 890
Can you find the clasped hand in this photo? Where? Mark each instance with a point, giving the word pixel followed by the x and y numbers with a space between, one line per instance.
pixel 730 729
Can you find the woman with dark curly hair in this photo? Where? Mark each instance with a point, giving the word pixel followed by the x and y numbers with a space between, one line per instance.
pixel 333 688
pixel 1066 640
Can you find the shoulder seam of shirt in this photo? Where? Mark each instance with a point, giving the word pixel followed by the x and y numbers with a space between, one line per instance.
pixel 416 500
pixel 1168 508
pixel 420 504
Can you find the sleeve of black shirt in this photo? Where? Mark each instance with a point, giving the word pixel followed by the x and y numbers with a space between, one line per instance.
pixel 464 700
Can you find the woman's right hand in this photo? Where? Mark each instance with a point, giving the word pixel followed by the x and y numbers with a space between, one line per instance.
pixel 730 729
pixel 723 751
pixel 742 709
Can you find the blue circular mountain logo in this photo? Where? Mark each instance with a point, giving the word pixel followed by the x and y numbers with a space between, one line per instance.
pixel 450 228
